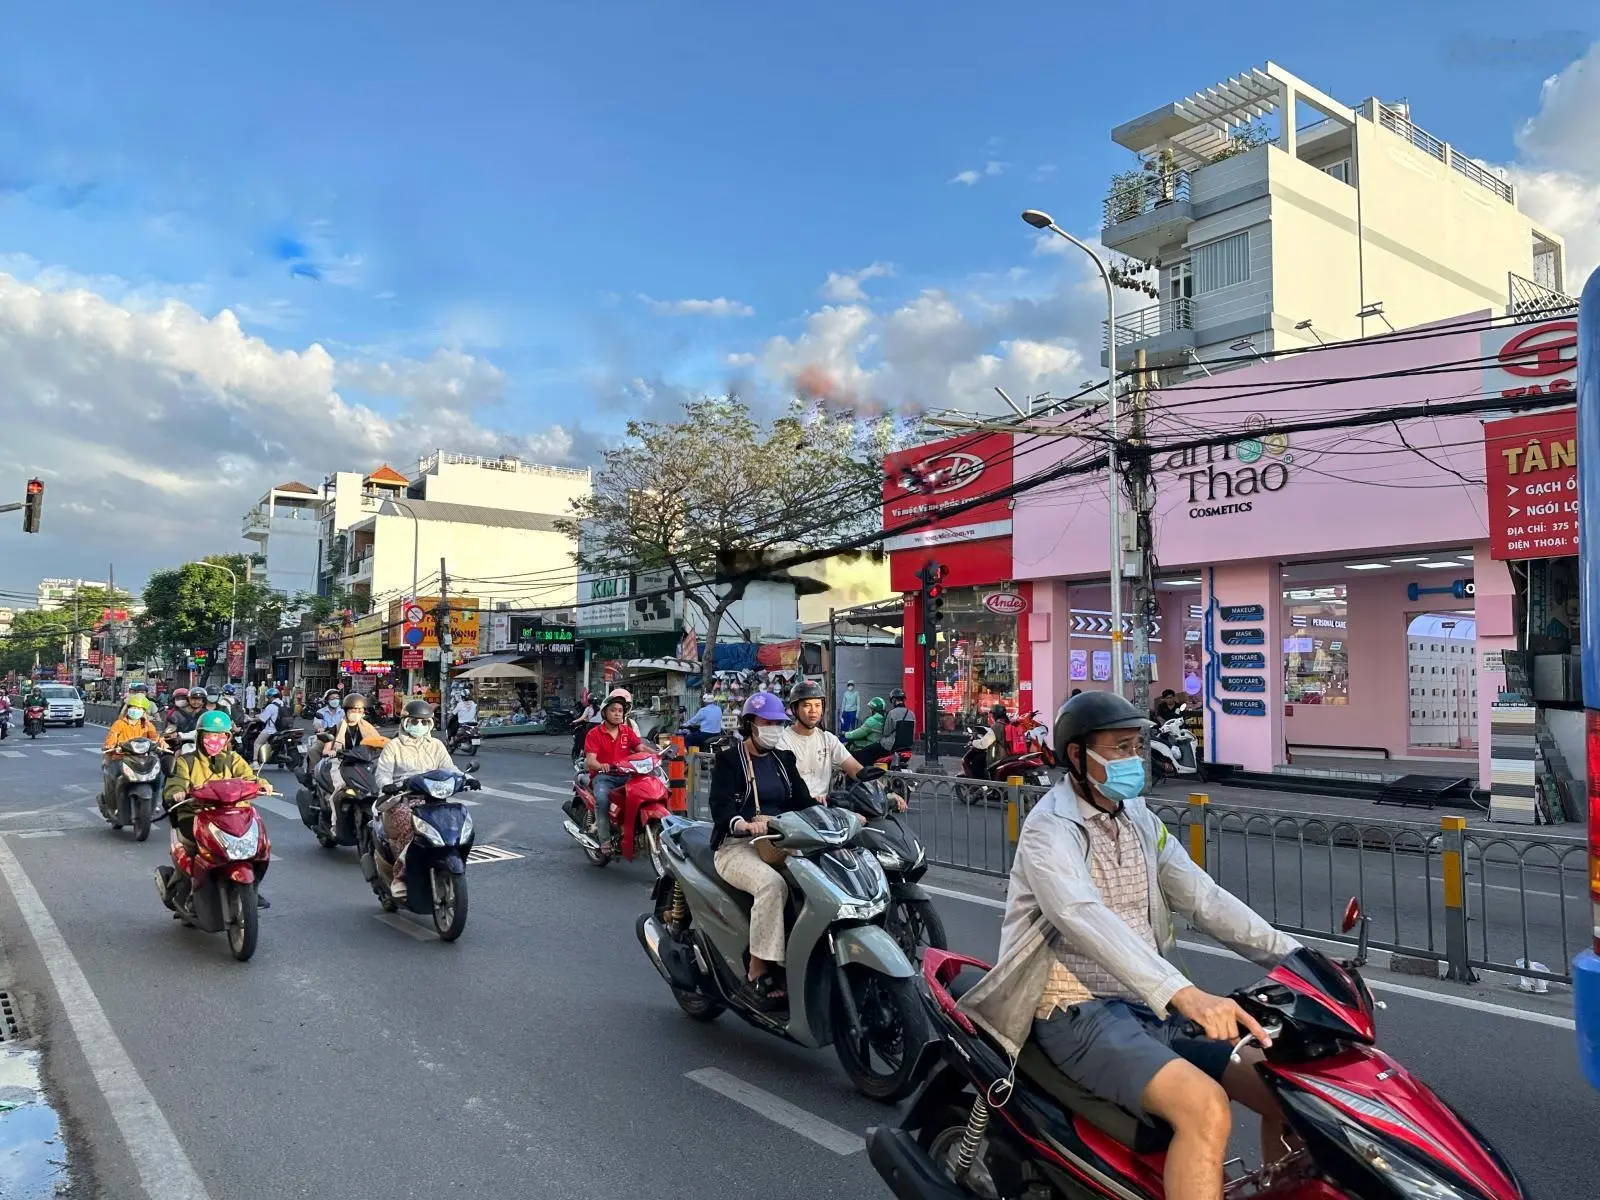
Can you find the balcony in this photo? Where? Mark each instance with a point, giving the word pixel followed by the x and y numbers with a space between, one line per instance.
pixel 1525 298
pixel 1146 211
pixel 1164 331
pixel 256 526
pixel 1398 121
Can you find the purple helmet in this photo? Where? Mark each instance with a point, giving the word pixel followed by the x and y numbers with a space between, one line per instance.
pixel 767 706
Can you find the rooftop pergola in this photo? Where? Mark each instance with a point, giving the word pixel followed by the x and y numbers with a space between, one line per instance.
pixel 1199 127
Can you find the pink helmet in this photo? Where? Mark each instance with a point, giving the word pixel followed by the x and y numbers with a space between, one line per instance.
pixel 767 706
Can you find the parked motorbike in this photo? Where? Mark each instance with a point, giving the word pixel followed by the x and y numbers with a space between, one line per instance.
pixel 33 720
pixel 1174 752
pixel 465 738
pixel 128 786
pixel 636 810
pixel 911 918
pixel 337 819
pixel 216 887
pixel 1368 1129
pixel 975 765
pixel 849 983
pixel 558 720
pixel 436 863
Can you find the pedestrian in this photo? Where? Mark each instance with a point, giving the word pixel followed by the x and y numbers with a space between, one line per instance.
pixel 849 707
pixel 250 698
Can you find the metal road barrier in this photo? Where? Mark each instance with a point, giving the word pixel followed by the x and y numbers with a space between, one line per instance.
pixel 1471 899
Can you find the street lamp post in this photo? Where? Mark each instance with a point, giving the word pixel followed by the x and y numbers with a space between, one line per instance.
pixel 233 603
pixel 1043 220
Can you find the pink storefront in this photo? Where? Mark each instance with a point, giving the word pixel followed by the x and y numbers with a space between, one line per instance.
pixel 1324 593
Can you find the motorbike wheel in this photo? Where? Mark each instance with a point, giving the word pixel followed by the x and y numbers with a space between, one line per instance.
pixel 883 1065
pixel 244 921
pixel 141 819
pixel 652 841
pixel 697 1007
pixel 917 926
pixel 449 905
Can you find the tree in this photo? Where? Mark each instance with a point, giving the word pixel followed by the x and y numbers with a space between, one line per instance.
pixel 188 607
pixel 716 498
pixel 47 634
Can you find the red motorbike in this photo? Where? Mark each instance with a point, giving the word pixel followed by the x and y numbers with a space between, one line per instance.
pixel 1368 1129
pixel 33 720
pixel 215 888
pixel 1030 764
pixel 638 806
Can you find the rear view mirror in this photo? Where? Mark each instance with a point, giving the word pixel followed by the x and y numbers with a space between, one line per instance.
pixel 1352 915
pixel 470 769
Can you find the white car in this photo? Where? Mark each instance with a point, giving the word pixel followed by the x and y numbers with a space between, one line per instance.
pixel 63 704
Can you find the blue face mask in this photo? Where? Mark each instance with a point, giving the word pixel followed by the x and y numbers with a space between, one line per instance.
pixel 1124 777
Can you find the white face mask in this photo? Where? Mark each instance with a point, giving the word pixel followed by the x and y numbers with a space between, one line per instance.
pixel 417 729
pixel 768 736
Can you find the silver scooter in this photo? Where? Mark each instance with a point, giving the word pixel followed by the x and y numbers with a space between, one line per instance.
pixel 848 981
pixel 1174 751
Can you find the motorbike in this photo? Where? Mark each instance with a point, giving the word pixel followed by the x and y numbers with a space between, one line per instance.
pixel 848 981
pixel 179 743
pixel 1174 752
pixel 245 735
pixel 128 787
pixel 636 811
pixel 436 863
pixel 1367 1128
pixel 911 918
pixel 337 820
pixel 975 765
pixel 465 738
pixel 898 761
pixel 33 720
pixel 216 887
pixel 558 720
pixel 287 750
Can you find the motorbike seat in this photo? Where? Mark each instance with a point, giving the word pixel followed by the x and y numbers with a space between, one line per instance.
pixel 1143 1135
pixel 696 843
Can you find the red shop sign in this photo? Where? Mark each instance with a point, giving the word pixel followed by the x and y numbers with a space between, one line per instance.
pixel 1531 465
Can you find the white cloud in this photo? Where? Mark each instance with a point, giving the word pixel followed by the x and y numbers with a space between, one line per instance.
pixel 741 360
pixel 1558 171
pixel 720 307
pixel 970 176
pixel 844 287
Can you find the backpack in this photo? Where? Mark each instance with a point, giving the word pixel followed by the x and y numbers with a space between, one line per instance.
pixel 899 730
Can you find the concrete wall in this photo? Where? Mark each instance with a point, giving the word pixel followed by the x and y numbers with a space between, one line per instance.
pixel 473 553
pixel 530 488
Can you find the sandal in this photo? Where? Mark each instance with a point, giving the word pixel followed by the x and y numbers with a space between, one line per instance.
pixel 768 991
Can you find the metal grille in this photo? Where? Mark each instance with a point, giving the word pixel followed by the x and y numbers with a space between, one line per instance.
pixel 10 1030
pixel 489 854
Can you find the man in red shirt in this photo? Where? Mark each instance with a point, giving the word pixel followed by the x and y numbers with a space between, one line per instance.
pixel 609 742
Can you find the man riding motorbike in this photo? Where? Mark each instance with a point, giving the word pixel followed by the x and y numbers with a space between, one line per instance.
pixel 862 741
pixel 1084 967
pixel 5 716
pixel 706 724
pixel 214 758
pixel 610 742
pixel 817 753
pixel 465 712
pixel 178 707
pixel 415 751
pixel 328 714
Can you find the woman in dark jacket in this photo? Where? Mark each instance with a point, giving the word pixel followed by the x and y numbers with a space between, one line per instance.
pixel 751 780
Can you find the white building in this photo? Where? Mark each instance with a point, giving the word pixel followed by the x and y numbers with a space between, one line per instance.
pixel 1342 223
pixel 285 524
pixel 492 520
pixel 59 593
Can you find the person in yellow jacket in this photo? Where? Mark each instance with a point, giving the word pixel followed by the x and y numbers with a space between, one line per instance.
pixel 214 758
pixel 132 722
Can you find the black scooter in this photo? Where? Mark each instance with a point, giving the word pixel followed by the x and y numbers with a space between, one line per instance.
pixel 339 820
pixel 128 791
pixel 911 918
pixel 436 863
pixel 466 738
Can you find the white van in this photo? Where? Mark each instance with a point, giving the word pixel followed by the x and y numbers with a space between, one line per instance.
pixel 63 704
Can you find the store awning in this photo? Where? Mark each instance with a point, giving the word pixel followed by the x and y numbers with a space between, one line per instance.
pixel 487 660
pixel 675 666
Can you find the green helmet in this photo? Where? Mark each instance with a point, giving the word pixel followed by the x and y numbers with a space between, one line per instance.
pixel 216 721
pixel 876 705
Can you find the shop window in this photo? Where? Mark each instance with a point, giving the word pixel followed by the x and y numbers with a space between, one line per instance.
pixel 977 658
pixel 1316 646
pixel 1441 652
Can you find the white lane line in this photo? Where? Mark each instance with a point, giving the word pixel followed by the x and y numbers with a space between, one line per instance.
pixel 423 933
pixel 39 833
pixel 13 754
pixel 277 807
pixel 1499 1010
pixel 540 787
pixel 517 796
pixel 824 1133
pixel 59 753
pixel 164 1169
pixel 91 749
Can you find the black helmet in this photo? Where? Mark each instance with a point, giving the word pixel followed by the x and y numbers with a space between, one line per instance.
pixel 1090 712
pixel 998 710
pixel 419 710
pixel 898 696
pixel 805 690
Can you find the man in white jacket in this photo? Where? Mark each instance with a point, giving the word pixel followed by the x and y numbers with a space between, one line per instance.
pixel 414 752
pixel 1084 968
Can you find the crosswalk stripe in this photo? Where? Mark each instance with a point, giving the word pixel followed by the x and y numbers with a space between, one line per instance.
pixel 59 753
pixel 517 796
pixel 91 749
pixel 539 787
pixel 13 753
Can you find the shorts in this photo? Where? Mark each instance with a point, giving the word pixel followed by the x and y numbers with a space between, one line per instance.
pixel 1114 1048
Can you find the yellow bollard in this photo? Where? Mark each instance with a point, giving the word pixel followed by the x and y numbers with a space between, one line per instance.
pixel 1014 809
pixel 1197 828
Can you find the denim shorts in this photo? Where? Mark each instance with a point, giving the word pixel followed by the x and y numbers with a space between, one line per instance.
pixel 1114 1048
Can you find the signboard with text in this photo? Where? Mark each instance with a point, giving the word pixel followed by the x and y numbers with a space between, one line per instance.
pixel 1531 360
pixel 463 623
pixel 1531 468
pixel 926 480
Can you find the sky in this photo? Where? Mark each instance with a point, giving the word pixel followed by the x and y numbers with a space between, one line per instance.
pixel 246 244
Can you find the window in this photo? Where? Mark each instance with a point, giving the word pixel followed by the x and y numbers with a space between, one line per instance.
pixel 1339 170
pixel 1316 656
pixel 1222 263
pixel 1180 282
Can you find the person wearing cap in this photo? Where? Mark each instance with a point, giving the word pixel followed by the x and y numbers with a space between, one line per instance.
pixel 609 742
pixel 1085 945
pixel 817 753
pixel 415 752
pixel 752 779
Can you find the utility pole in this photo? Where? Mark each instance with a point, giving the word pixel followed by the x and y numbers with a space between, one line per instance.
pixel 441 620
pixel 111 626
pixel 1142 487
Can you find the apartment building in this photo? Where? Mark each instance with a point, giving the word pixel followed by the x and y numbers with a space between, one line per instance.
pixel 1264 215
pixel 285 526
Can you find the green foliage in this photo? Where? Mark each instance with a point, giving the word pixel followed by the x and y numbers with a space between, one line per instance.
pixel 1243 138
pixel 34 631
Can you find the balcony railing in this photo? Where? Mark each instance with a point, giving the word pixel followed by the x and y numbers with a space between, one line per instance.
pixel 1398 123
pixel 1524 297
pixel 1133 197
pixel 1168 316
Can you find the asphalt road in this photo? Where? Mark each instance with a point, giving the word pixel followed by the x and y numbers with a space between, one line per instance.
pixel 541 1054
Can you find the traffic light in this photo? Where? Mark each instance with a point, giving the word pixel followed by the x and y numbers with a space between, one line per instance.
pixel 33 506
pixel 932 576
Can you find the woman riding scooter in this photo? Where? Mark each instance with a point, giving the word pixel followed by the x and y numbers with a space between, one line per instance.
pixel 415 752
pixel 214 758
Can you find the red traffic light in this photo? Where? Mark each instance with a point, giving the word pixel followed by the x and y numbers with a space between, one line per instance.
pixel 33 506
pixel 35 486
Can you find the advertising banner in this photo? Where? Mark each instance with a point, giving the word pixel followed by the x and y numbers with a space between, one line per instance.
pixel 1531 467
pixel 463 623
pixel 926 480
pixel 235 660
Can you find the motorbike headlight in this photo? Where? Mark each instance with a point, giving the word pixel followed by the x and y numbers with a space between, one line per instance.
pixel 242 847
pixel 1406 1176
pixel 890 859
pixel 426 831
pixel 862 912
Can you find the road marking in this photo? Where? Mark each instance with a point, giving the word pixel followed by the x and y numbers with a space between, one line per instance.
pixel 487 854
pixel 278 807
pixel 39 833
pixel 164 1170
pixel 13 753
pixel 824 1133
pixel 91 749
pixel 59 753
pixel 423 933
pixel 77 787
pixel 517 796
pixel 541 787
pixel 986 901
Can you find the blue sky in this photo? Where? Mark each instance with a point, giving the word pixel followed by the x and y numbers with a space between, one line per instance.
pixel 509 182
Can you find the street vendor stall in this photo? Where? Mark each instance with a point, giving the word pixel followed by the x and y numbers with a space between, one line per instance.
pixel 507 694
